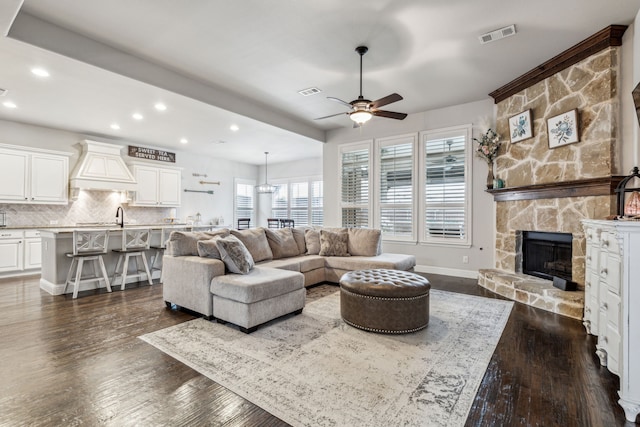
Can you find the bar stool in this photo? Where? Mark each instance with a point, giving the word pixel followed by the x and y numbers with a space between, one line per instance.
pixel 287 223
pixel 244 223
pixel 135 241
pixel 273 223
pixel 159 248
pixel 88 245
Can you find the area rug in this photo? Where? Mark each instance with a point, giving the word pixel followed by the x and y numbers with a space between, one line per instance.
pixel 315 370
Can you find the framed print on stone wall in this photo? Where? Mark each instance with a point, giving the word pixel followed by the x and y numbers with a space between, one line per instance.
pixel 563 129
pixel 520 126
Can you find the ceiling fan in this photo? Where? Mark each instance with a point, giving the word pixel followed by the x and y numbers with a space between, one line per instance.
pixel 362 109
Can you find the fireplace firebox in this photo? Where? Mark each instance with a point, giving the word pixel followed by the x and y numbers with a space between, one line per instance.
pixel 547 255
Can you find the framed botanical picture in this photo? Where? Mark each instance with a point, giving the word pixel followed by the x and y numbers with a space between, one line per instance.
pixel 563 129
pixel 520 126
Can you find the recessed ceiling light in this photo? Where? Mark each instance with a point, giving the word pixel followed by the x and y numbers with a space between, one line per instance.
pixel 160 106
pixel 234 128
pixel 137 116
pixel 40 72
pixel 9 104
pixel 183 140
pixel 115 126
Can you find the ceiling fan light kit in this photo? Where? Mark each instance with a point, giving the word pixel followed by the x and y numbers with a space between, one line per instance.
pixel 265 188
pixel 363 109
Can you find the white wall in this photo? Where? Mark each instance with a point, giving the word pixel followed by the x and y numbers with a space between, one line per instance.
pixel 209 206
pixel 430 258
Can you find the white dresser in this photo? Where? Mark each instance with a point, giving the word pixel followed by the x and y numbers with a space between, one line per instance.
pixel 612 302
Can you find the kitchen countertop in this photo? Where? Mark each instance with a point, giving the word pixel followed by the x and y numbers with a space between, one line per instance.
pixel 114 227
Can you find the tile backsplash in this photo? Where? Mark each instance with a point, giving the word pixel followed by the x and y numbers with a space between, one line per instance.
pixel 91 206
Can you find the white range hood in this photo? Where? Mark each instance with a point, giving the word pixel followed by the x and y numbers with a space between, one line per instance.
pixel 101 168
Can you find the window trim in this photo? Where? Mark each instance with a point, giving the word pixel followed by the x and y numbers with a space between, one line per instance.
pixel 468 175
pixel 390 141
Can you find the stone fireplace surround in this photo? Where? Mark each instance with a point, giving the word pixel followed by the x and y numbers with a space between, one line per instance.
pixel 553 189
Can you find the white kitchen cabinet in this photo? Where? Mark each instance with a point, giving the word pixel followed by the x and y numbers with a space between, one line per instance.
pixel 157 186
pixel 11 251
pixel 34 176
pixel 32 250
pixel 20 252
pixel 611 290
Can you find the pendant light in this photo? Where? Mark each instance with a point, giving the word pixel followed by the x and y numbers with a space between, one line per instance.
pixel 265 188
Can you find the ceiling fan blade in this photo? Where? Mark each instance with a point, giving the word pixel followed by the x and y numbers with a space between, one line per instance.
pixel 332 115
pixel 394 97
pixel 339 101
pixel 389 114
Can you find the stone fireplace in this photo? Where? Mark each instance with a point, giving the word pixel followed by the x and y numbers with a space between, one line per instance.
pixel 551 190
pixel 545 255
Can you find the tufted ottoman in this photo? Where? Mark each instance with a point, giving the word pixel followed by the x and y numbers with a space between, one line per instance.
pixel 387 301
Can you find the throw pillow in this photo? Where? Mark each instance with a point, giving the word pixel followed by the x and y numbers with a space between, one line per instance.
pixel 183 243
pixel 234 254
pixel 208 249
pixel 364 241
pixel 282 243
pixel 312 241
pixel 333 244
pixel 256 242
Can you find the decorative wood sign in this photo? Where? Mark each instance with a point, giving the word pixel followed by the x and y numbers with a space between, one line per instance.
pixel 151 154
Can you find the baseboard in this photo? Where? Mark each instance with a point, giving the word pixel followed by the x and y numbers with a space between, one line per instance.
pixel 58 289
pixel 468 274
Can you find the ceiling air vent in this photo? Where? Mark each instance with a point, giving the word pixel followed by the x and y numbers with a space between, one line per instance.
pixel 497 34
pixel 3 92
pixel 309 91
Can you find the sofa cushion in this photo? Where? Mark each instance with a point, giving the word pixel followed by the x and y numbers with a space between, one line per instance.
pixel 291 264
pixel 256 242
pixel 183 243
pixel 389 261
pixel 234 254
pixel 208 249
pixel 333 243
pixel 260 284
pixel 298 236
pixel 282 243
pixel 364 241
pixel 312 241
pixel 310 262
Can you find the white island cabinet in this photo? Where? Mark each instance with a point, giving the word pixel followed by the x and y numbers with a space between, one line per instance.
pixel 29 175
pixel 612 303
pixel 157 186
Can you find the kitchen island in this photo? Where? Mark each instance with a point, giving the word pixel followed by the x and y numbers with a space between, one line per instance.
pixel 57 242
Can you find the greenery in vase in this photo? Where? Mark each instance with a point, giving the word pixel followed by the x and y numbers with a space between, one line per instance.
pixel 488 145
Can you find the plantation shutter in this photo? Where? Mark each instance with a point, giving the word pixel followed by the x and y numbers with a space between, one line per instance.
pixel 280 201
pixel 300 202
pixel 446 189
pixel 355 187
pixel 396 190
pixel 317 216
pixel 244 200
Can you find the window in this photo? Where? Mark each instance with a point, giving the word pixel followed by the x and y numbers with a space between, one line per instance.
pixel 447 160
pixel 355 190
pixel 395 167
pixel 299 199
pixel 244 200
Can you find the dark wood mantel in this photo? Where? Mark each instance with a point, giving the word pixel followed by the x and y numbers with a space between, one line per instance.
pixel 585 187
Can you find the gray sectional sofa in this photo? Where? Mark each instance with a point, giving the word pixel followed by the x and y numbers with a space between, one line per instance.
pixel 196 277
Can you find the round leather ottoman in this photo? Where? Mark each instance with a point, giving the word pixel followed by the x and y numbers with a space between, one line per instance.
pixel 386 301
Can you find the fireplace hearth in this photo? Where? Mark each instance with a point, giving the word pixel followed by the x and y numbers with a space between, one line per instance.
pixel 547 255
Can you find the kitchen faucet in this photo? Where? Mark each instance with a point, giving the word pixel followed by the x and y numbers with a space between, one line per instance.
pixel 120 217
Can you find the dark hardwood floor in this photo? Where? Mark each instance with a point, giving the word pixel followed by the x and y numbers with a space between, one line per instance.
pixel 71 362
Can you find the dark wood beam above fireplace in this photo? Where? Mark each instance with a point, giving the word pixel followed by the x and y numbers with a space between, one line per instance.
pixel 585 187
pixel 607 37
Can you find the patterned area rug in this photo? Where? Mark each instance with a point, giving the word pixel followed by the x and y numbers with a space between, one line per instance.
pixel 314 370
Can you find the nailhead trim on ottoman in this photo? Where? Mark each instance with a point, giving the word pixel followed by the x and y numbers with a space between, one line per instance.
pixel 385 301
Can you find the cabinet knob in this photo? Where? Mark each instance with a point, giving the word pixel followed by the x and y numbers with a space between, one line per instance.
pixel 587 310
pixel 605 243
pixel 603 271
pixel 605 306
pixel 587 284
pixel 605 339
